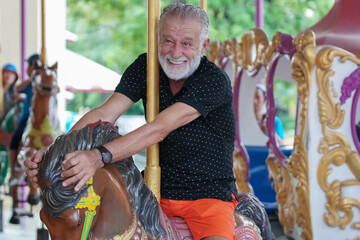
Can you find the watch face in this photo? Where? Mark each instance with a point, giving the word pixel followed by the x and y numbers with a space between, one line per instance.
pixel 106 155
pixel 107 158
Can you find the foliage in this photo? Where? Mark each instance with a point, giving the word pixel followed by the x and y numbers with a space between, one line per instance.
pixel 114 32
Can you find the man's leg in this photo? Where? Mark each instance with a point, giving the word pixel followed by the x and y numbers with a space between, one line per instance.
pixel 209 219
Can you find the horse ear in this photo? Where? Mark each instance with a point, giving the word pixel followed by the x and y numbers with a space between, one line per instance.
pixel 37 64
pixel 54 67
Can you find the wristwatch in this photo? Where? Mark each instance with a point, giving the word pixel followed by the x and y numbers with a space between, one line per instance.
pixel 106 156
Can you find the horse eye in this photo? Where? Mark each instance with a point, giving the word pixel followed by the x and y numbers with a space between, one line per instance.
pixel 79 223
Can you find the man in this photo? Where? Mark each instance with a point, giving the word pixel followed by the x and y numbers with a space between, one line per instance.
pixel 195 128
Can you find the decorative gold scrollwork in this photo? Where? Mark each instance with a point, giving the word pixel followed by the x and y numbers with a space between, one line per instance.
pixel 303 63
pixel 215 53
pixel 271 50
pixel 240 169
pixel 334 146
pixel 284 193
pixel 253 46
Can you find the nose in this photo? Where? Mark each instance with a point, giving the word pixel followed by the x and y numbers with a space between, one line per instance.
pixel 176 51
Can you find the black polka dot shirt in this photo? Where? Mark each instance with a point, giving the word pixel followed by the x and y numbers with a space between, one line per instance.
pixel 195 159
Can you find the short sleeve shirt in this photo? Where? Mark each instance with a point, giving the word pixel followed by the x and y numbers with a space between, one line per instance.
pixel 195 159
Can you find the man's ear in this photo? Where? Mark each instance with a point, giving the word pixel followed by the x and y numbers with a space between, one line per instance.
pixel 205 46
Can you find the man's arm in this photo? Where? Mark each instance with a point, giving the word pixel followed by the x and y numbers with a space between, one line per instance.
pixel 110 111
pixel 79 166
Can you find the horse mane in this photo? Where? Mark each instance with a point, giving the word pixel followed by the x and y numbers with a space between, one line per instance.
pixel 56 198
pixel 141 198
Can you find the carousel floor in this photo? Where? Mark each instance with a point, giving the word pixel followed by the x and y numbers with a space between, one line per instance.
pixel 26 230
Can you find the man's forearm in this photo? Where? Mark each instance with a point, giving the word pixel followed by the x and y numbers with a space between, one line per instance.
pixel 90 117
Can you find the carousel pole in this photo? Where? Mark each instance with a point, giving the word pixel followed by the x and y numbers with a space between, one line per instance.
pixel 43 49
pixel 152 169
pixel 23 39
pixel 259 14
pixel 42 233
pixel 203 5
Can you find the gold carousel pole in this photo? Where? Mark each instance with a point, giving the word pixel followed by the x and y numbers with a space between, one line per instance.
pixel 203 5
pixel 43 49
pixel 152 169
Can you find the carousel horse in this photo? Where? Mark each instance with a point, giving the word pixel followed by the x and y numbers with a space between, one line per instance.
pixel 41 128
pixel 116 203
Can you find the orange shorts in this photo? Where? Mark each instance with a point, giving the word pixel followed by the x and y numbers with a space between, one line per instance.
pixel 205 217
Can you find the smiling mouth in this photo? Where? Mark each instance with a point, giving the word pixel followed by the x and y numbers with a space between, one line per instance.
pixel 176 62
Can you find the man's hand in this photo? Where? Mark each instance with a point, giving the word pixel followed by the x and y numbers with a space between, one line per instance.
pixel 32 165
pixel 80 166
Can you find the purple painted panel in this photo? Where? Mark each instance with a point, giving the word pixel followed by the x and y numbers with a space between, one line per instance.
pixel 350 84
pixel 353 117
pixel 286 48
pixel 238 144
pixel 270 122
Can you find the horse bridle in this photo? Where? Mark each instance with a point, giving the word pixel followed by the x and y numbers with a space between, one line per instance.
pixel 43 88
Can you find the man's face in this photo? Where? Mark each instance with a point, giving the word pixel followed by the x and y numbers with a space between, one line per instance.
pixel 180 49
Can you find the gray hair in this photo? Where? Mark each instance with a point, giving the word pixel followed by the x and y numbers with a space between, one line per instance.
pixel 187 11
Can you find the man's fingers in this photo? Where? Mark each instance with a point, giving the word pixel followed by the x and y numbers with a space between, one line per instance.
pixel 80 184
pixel 32 173
pixel 73 179
pixel 68 157
pixel 38 156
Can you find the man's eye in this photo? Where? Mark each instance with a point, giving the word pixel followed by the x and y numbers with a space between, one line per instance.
pixel 168 41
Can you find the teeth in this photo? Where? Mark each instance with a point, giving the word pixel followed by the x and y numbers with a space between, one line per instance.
pixel 176 62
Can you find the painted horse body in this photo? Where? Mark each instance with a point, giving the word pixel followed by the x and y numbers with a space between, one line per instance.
pixel 41 129
pixel 116 203
pixel 39 133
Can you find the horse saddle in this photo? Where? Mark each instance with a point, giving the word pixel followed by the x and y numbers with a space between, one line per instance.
pixel 177 229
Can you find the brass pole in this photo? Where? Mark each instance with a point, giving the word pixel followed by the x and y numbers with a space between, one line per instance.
pixel 43 49
pixel 203 5
pixel 152 169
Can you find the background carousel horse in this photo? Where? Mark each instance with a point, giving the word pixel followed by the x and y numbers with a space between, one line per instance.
pixel 41 129
pixel 116 203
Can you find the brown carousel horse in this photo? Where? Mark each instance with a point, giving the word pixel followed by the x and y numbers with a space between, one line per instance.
pixel 40 131
pixel 116 203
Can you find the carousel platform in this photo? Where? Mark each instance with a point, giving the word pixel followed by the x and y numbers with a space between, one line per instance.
pixel 26 230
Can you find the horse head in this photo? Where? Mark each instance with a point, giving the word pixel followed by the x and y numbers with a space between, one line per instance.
pixel 44 79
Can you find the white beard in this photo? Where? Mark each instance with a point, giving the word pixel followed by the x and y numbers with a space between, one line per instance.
pixel 178 73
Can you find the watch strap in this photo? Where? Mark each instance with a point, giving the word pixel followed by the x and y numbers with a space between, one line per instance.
pixel 106 156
